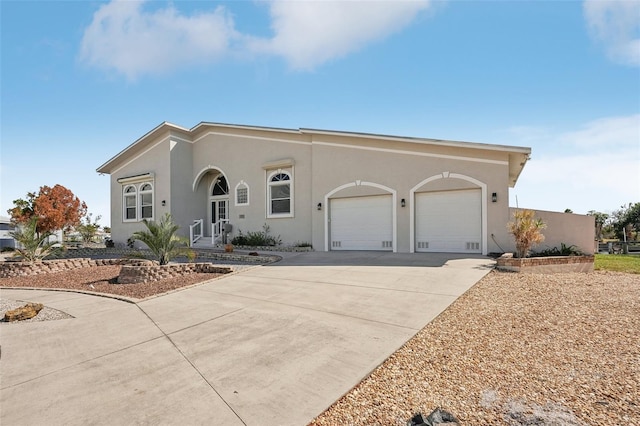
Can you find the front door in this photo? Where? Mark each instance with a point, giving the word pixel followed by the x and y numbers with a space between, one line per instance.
pixel 218 211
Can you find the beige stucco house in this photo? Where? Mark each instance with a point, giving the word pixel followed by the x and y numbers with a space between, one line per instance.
pixel 335 190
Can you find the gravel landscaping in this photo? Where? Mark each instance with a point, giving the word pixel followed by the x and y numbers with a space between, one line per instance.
pixel 516 349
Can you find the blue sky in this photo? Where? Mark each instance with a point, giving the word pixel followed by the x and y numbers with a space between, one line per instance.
pixel 81 80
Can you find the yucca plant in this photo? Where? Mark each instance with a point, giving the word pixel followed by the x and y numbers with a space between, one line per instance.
pixel 162 240
pixel 526 230
pixel 32 246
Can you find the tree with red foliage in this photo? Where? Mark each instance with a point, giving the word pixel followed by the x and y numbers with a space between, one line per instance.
pixel 56 208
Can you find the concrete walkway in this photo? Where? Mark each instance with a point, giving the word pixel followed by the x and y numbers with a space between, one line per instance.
pixel 273 345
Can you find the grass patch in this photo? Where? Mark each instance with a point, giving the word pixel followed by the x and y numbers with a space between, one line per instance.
pixel 617 262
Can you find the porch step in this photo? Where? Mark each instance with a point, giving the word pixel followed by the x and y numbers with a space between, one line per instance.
pixel 205 243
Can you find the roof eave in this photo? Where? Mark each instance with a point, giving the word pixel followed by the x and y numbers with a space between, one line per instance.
pixel 107 166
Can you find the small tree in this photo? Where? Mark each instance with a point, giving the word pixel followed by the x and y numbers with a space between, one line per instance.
pixel 56 208
pixel 88 229
pixel 162 240
pixel 526 231
pixel 600 220
pixel 32 246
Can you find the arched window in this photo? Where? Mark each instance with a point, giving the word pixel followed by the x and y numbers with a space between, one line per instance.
pixel 146 201
pixel 279 194
pixel 129 203
pixel 220 186
pixel 242 194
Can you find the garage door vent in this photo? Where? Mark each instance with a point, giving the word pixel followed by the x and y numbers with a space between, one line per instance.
pixel 387 244
pixel 473 246
pixel 336 243
pixel 423 244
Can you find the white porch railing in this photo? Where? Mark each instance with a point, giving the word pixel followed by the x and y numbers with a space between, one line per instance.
pixel 195 231
pixel 217 228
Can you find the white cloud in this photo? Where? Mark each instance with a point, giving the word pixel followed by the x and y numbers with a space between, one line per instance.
pixel 618 132
pixel 616 24
pixel 126 38
pixel 596 167
pixel 309 33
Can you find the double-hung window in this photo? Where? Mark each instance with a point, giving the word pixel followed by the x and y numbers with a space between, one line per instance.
pixel 280 194
pixel 130 202
pixel 146 201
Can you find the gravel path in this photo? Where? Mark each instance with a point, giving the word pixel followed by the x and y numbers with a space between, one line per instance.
pixel 516 349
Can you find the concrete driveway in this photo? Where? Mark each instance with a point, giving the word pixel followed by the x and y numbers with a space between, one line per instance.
pixel 273 345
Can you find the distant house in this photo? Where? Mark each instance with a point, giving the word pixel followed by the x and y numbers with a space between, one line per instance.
pixel 6 227
pixel 335 190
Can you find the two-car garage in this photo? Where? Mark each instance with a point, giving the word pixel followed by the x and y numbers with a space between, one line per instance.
pixel 444 221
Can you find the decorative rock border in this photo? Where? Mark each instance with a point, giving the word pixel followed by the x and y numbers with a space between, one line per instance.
pixel 288 249
pixel 545 265
pixel 17 269
pixel 130 274
pixel 133 270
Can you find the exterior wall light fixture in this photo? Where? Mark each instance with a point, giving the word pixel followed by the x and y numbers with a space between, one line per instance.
pixel 319 206
pixel 494 197
pixel 164 203
pixel 403 203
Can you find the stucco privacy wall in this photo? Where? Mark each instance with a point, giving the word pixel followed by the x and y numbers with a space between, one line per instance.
pixel 567 228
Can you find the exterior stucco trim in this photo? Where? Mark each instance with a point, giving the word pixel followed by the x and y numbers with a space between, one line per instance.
pixel 448 175
pixel 413 153
pixel 116 170
pixel 334 191
pixel 233 135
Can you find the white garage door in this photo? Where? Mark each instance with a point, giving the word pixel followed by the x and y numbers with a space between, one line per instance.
pixel 449 221
pixel 361 223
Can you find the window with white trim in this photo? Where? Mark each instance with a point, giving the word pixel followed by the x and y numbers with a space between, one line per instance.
pixel 130 196
pixel 279 194
pixel 242 194
pixel 146 201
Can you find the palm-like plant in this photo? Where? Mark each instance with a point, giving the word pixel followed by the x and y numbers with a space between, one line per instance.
pixel 32 245
pixel 526 230
pixel 162 240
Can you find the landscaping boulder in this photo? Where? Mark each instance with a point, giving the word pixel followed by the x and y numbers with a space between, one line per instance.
pixel 22 313
pixel 437 417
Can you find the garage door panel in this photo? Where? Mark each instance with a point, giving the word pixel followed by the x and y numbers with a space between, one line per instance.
pixel 361 223
pixel 449 221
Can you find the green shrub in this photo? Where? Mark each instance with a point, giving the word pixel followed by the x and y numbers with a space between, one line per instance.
pixel 564 250
pixel 256 239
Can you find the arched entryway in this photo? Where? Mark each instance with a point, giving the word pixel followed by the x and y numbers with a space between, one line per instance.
pixel 217 198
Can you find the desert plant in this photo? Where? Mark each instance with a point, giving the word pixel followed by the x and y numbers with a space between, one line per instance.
pixel 162 240
pixel 564 250
pixel 32 246
pixel 526 230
